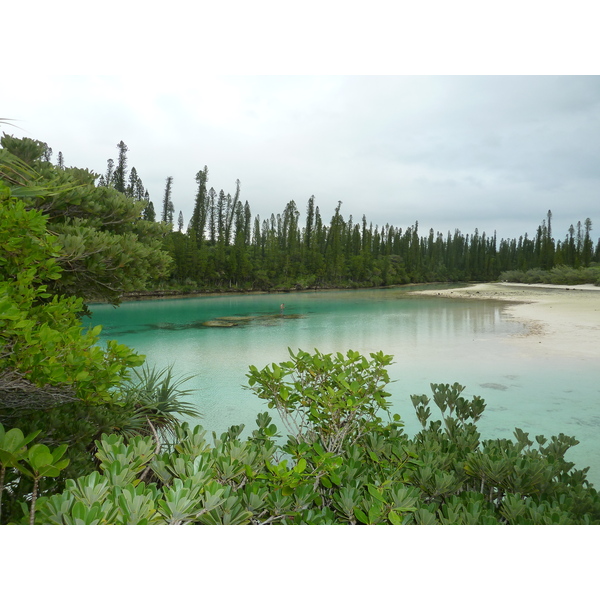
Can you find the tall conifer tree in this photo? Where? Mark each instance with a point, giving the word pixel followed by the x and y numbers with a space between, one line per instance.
pixel 110 172
pixel 167 213
pixel 200 213
pixel 135 188
pixel 231 211
pixel 212 194
pixel 221 216
pixel 121 168
pixel 149 213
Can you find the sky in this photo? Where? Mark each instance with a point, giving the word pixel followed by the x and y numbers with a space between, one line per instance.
pixel 457 115
pixel 451 152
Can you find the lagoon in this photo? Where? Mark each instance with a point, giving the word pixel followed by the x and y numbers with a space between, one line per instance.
pixel 433 340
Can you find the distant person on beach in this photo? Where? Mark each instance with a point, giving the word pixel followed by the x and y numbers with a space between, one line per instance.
pixel 281 308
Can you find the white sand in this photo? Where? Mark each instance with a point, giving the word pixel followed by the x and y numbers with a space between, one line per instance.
pixel 560 320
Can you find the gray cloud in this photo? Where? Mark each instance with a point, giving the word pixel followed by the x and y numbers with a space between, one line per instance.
pixel 452 152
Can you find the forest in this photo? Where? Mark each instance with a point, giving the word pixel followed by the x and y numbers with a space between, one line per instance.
pixel 225 246
pixel 90 434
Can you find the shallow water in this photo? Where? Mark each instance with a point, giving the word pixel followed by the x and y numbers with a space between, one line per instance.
pixel 432 339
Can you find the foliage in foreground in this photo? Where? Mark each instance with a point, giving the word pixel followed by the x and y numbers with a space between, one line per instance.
pixel 46 356
pixel 325 472
pixel 55 378
pixel 149 404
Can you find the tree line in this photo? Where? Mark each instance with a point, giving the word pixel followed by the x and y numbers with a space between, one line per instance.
pixel 284 252
pixel 225 246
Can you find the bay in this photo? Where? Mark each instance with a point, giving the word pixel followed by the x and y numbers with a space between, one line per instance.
pixel 433 340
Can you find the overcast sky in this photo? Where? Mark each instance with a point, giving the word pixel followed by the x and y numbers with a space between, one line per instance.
pixel 453 152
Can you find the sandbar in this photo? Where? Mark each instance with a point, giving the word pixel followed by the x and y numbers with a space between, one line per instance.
pixel 559 320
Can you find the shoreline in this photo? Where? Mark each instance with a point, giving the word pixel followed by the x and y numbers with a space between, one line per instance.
pixel 559 320
pixel 175 294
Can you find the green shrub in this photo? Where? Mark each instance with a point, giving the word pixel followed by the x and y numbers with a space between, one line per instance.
pixel 560 275
pixel 373 474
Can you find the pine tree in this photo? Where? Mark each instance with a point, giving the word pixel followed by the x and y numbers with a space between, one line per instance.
pixel 47 156
pixel 588 245
pixel 548 247
pixel 180 222
pixel 578 245
pixel 105 248
pixel 231 211
pixel 199 216
pixel 167 204
pixel 247 223
pixel 110 172
pixel 571 251
pixel 310 217
pixel 121 169
pixel 60 163
pixel 212 194
pixel 135 188
pixel 220 218
pixel 149 213
pixel 257 240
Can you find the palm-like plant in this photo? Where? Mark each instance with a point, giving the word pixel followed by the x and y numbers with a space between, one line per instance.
pixel 155 397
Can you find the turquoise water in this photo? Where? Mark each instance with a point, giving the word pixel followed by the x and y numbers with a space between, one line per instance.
pixel 433 340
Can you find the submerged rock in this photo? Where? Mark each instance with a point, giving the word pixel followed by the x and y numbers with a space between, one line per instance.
pixel 233 321
pixel 227 321
pixel 218 323
pixel 494 386
pixel 167 326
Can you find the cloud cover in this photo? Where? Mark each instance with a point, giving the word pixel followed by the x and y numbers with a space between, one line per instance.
pixel 453 152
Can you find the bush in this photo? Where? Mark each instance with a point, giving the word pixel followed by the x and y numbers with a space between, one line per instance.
pixel 560 275
pixel 373 474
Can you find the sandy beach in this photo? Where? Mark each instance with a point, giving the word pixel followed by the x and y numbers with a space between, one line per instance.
pixel 559 320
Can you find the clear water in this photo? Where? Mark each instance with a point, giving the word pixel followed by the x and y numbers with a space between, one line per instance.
pixel 433 340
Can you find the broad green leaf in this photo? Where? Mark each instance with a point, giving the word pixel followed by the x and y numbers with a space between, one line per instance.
pixel 375 493
pixel 360 515
pixel 395 519
pixel 301 466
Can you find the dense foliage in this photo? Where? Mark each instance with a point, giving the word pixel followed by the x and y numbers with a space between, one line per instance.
pixel 55 377
pixel 280 252
pixel 106 248
pixel 325 473
pixel 46 357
